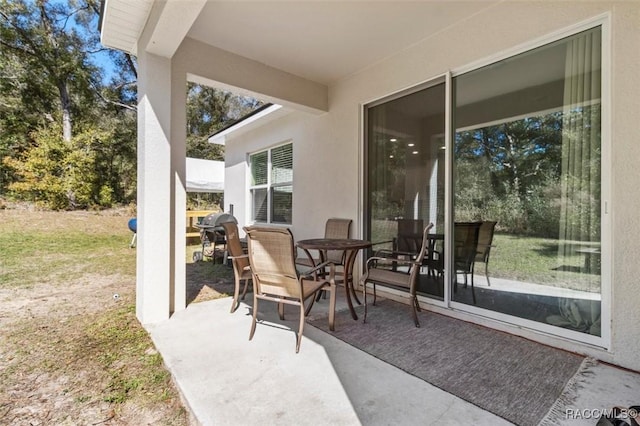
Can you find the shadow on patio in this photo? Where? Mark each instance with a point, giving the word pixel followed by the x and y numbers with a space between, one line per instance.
pixel 227 379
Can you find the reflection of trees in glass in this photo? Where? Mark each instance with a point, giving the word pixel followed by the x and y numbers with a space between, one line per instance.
pixel 387 178
pixel 510 172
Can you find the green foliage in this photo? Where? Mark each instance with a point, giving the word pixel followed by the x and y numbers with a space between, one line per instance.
pixel 510 172
pixel 61 175
pixel 209 110
pixel 50 82
pixel 68 136
pixel 513 173
pixel 198 147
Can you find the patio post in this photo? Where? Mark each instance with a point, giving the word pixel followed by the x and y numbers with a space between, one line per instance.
pixel 154 210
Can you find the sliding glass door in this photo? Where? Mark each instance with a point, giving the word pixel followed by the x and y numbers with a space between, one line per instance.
pixel 523 179
pixel 405 173
pixel 527 155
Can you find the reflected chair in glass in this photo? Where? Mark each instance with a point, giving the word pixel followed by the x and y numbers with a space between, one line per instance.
pixel 465 238
pixel 485 243
pixel 239 260
pixel 409 238
pixel 406 243
pixel 377 274
pixel 275 278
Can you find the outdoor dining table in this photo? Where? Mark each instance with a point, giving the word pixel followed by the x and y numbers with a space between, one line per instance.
pixel 350 248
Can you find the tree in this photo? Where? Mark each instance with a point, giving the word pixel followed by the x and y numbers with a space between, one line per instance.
pixel 209 110
pixel 40 35
pixel 67 132
pixel 510 171
pixel 50 84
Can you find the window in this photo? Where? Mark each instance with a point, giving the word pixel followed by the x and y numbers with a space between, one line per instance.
pixel 272 185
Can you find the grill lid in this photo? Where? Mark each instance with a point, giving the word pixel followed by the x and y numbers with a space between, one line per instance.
pixel 217 219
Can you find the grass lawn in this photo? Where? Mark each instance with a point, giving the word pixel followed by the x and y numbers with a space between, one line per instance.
pixel 520 258
pixel 535 260
pixel 71 348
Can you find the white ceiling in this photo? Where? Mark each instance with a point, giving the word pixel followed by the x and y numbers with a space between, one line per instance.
pixel 325 41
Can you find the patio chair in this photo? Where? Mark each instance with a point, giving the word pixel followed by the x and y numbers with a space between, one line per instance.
pixel 377 274
pixel 485 243
pixel 334 228
pixel 275 278
pixel 465 236
pixel 239 260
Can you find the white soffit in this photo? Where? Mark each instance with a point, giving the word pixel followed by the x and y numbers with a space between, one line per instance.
pixel 123 22
pixel 321 41
pixel 326 41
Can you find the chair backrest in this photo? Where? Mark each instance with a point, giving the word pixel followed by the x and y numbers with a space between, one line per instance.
pixel 485 239
pixel 272 258
pixel 336 228
pixel 424 244
pixel 409 237
pixel 234 247
pixel 415 268
pixel 465 235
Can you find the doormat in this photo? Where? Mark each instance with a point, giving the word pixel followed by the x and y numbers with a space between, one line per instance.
pixel 512 377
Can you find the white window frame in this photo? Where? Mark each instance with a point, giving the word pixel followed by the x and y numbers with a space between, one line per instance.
pixel 269 186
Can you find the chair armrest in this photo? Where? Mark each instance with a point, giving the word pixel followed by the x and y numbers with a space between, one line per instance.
pixel 382 242
pixel 392 253
pixel 390 261
pixel 238 257
pixel 312 271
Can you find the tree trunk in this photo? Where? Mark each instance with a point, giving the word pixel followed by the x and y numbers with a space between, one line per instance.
pixel 65 105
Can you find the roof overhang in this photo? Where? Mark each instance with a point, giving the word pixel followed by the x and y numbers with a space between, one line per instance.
pixel 320 41
pixel 124 21
pixel 288 53
pixel 245 123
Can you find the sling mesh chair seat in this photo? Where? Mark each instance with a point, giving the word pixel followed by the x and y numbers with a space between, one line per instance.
pixel 275 278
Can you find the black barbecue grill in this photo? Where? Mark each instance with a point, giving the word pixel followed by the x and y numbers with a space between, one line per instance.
pixel 212 235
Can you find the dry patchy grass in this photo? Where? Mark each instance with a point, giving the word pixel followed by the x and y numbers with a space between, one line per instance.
pixel 70 352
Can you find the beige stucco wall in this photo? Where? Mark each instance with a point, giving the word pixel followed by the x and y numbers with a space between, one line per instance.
pixel 327 148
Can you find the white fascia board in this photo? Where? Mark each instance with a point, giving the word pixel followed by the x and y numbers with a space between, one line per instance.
pixel 220 138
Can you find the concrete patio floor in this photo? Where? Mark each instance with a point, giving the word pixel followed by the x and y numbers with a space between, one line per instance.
pixel 225 379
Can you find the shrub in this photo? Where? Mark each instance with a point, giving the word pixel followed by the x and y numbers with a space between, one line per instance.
pixel 61 175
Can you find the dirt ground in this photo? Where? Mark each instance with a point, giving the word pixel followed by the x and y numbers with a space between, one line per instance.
pixel 72 351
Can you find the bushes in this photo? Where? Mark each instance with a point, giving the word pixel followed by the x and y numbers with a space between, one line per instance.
pixel 63 175
pixel 537 213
